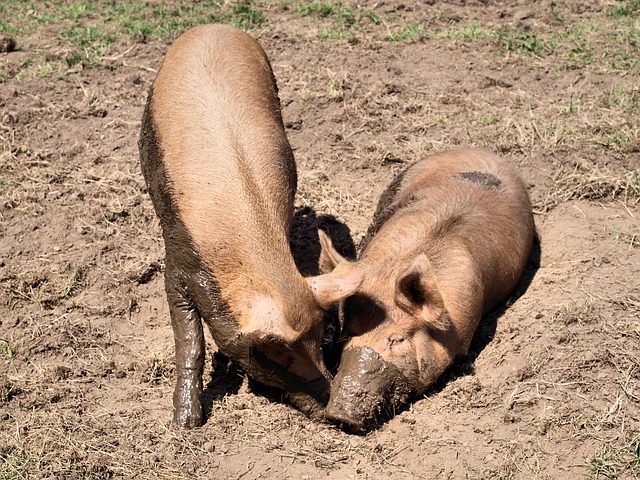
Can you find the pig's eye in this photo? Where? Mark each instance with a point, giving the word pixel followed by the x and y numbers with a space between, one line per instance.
pixel 268 356
pixel 281 355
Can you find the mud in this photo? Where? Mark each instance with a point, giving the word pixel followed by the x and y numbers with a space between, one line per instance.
pixel 366 393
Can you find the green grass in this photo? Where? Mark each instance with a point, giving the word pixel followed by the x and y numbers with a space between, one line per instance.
pixel 93 40
pixel 344 15
pixel 20 17
pixel 618 233
pixel 621 98
pixel 245 16
pixel 46 69
pixel 320 9
pixel 622 49
pixel 342 18
pixel 469 32
pixel 334 32
pixel 526 42
pixel 410 31
pixel 107 20
pixel 92 29
pixel 6 350
pixel 618 138
pixel 15 466
pixel 625 8
pixel 576 46
pixel 127 17
pixel 373 18
pixel 510 39
pixel 611 462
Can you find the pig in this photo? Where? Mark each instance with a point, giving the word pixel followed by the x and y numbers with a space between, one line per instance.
pixel 449 241
pixel 222 178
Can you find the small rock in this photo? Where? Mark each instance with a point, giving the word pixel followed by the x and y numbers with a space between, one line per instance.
pixel 53 195
pixel 523 14
pixel 62 372
pixel 7 43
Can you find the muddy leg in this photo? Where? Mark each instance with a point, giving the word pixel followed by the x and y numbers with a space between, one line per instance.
pixel 189 344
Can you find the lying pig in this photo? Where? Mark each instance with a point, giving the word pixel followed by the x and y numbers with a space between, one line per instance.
pixel 449 240
pixel 222 179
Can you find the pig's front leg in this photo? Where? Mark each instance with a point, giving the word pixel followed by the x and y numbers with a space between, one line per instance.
pixel 190 347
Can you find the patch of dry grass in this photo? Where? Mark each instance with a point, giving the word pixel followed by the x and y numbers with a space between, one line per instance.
pixel 594 184
pixel 158 369
pixel 45 289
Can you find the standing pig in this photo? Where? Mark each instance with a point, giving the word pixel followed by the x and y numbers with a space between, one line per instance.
pixel 222 178
pixel 449 240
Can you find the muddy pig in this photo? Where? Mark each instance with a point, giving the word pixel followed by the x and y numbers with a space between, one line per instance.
pixel 449 240
pixel 222 179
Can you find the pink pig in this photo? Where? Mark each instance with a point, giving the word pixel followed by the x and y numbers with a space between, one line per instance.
pixel 449 241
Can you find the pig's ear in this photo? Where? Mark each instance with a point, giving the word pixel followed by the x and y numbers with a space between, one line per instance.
pixel 329 256
pixel 417 293
pixel 267 321
pixel 342 282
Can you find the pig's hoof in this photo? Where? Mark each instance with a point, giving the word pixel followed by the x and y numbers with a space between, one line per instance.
pixel 183 418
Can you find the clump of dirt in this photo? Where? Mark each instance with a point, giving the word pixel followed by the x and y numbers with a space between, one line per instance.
pixel 552 385
pixel 7 43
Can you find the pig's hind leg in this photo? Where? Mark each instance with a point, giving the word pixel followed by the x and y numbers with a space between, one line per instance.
pixel 190 350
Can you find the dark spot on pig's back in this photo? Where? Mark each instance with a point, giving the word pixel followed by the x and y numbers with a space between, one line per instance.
pixel 482 179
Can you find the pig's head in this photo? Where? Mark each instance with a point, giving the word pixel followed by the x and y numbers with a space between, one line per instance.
pixel 401 336
pixel 283 337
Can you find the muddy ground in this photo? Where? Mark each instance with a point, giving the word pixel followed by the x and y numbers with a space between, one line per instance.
pixel 552 386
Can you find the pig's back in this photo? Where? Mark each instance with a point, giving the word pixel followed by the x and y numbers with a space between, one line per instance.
pixel 465 200
pixel 223 165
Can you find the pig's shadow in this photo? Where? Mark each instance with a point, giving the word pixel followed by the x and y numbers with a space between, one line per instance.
pixel 487 328
pixel 227 377
pixel 305 245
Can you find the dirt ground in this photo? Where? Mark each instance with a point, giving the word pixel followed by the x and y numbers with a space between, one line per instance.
pixel 552 386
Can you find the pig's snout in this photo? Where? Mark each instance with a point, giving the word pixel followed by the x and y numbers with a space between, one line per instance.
pixel 366 390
